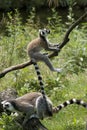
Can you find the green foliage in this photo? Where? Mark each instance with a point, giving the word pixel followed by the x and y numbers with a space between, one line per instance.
pixel 9 123
pixel 61 3
pixel 82 2
pixel 11 4
pixel 76 53
pixel 70 83
pixel 64 3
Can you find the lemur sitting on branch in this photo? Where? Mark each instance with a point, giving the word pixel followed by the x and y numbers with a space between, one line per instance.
pixel 36 45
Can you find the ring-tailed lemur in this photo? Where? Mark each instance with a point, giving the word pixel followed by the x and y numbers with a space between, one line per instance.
pixel 27 104
pixel 30 104
pixel 36 45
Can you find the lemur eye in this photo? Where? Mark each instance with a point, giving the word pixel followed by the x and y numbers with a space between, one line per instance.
pixel 7 105
pixel 43 32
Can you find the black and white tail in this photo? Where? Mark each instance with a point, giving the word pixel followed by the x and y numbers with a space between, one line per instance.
pixel 41 86
pixel 69 102
pixel 39 78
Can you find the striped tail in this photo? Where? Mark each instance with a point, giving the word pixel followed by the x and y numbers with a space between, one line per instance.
pixel 42 86
pixel 69 102
pixel 39 78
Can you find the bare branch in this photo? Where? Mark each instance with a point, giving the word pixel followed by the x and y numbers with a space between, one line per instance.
pixel 34 124
pixel 64 42
pixel 16 67
pixel 66 37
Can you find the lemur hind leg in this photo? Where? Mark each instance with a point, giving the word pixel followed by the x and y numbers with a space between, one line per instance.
pixel 44 58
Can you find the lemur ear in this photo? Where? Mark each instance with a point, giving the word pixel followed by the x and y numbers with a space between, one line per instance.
pixel 47 30
pixel 40 30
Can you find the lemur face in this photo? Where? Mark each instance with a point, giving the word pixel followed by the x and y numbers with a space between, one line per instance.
pixel 7 106
pixel 44 32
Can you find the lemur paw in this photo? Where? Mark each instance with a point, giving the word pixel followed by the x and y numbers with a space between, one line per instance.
pixel 58 70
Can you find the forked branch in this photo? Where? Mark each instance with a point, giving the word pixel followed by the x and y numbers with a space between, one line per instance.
pixel 63 43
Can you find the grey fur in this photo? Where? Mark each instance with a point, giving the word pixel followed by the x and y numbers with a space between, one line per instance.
pixel 35 46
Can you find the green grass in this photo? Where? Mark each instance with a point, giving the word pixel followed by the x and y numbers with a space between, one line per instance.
pixel 72 117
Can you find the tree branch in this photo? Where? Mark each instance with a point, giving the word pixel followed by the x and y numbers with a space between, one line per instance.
pixel 16 67
pixel 61 45
pixel 66 37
